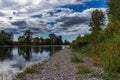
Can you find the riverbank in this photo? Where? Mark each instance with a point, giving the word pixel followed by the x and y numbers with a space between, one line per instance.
pixel 62 66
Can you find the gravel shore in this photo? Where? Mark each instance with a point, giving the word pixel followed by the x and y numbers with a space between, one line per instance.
pixel 58 67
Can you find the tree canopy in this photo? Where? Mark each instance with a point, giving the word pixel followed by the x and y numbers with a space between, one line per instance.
pixel 114 10
pixel 97 20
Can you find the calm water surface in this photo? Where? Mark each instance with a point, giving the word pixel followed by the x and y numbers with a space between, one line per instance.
pixel 14 58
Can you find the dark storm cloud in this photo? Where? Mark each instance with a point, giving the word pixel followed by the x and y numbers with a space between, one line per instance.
pixel 14 31
pixel 74 20
pixel 22 26
pixel 19 23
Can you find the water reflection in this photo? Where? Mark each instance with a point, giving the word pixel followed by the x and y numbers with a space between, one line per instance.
pixel 6 53
pixel 12 58
pixel 26 52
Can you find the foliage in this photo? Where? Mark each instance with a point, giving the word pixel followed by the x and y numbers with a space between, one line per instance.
pixel 28 36
pixel 76 58
pixel 114 10
pixel 83 69
pixel 29 70
pixel 55 39
pixel 6 38
pixel 52 39
pixel 104 45
pixel 66 42
pixel 97 20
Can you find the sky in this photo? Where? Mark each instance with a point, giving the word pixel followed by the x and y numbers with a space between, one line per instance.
pixel 68 18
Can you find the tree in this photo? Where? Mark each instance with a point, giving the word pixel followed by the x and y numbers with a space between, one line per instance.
pixel 52 37
pixel 114 10
pixel 21 39
pixel 28 36
pixel 36 40
pixel 59 40
pixel 5 37
pixel 66 42
pixel 97 20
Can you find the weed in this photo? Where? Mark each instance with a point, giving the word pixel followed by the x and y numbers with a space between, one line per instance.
pixel 84 69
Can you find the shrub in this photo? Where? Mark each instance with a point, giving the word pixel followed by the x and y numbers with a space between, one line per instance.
pixel 30 70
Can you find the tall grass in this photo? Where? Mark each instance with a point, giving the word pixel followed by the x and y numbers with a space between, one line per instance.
pixel 103 48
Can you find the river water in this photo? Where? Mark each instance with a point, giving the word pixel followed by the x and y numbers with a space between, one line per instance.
pixel 15 59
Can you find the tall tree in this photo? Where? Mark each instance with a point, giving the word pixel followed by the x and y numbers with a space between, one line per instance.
pixel 97 20
pixel 5 37
pixel 113 16
pixel 21 39
pixel 114 10
pixel 28 36
pixel 52 37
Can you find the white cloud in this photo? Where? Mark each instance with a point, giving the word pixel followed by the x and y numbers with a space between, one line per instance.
pixel 67 21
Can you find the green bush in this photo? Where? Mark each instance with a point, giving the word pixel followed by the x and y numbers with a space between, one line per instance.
pixel 30 70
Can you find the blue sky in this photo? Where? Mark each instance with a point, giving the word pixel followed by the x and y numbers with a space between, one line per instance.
pixel 68 18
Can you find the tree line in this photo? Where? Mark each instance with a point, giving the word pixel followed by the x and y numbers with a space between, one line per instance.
pixel 6 38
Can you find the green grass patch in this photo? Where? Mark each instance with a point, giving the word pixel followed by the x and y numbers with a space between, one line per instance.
pixel 29 70
pixel 76 59
pixel 84 69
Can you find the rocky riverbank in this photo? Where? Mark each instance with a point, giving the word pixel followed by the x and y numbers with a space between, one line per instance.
pixel 61 67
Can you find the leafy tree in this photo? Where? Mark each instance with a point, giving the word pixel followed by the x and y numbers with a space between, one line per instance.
pixel 41 40
pixel 36 40
pixel 28 36
pixel 66 42
pixel 114 10
pixel 5 37
pixel 21 39
pixel 97 20
pixel 59 40
pixel 55 40
pixel 114 17
pixel 52 37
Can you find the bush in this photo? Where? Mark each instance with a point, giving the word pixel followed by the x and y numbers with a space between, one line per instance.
pixel 30 70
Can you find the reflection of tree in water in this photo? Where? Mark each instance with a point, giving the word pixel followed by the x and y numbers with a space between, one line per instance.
pixel 26 52
pixel 6 53
pixel 55 49
pixel 36 50
pixel 51 49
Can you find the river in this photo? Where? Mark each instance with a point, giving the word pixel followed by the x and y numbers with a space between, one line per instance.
pixel 15 59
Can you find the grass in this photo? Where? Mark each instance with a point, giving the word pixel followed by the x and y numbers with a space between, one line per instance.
pixel 29 70
pixel 97 74
pixel 103 48
pixel 84 69
pixel 76 58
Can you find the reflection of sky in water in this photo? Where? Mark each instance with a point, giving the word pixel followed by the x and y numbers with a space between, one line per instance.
pixel 11 66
